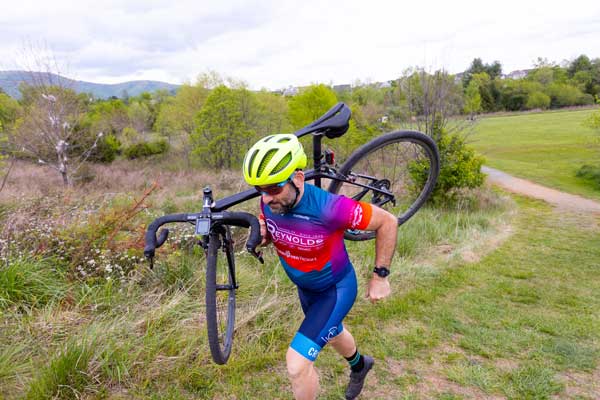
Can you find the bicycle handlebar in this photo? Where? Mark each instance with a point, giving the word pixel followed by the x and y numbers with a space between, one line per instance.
pixel 242 219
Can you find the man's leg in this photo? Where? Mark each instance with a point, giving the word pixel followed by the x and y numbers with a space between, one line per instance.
pixel 360 365
pixel 302 374
pixel 344 343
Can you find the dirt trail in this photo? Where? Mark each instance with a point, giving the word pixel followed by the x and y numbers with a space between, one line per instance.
pixel 555 197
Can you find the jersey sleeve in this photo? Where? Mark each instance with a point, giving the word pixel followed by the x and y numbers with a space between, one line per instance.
pixel 349 214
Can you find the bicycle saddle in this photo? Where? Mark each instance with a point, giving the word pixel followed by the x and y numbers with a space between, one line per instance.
pixel 334 123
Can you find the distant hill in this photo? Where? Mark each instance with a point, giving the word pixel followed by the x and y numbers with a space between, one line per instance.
pixel 10 80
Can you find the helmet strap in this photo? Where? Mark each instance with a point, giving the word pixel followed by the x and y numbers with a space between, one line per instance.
pixel 288 208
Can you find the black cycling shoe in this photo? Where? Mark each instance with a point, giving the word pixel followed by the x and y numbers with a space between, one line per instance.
pixel 357 379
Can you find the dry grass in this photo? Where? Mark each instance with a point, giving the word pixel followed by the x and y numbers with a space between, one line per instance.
pixel 29 180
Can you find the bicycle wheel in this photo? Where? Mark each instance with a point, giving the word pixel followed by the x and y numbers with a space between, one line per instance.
pixel 220 293
pixel 397 171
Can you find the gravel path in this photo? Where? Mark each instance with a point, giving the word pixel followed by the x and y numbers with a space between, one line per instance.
pixel 555 197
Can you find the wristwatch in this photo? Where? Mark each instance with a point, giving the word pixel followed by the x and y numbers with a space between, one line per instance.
pixel 381 271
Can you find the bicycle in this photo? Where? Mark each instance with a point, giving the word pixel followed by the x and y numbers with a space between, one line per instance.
pixel 378 171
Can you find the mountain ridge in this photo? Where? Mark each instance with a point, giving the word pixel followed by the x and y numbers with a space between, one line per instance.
pixel 10 80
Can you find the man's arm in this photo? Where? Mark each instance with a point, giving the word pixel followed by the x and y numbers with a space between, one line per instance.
pixel 385 225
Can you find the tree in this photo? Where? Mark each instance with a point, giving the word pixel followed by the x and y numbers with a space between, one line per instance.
pixel 272 113
pixel 431 99
pixel 50 130
pixel 225 127
pixel 140 116
pixel 493 70
pixel 472 99
pixel 310 104
pixel 9 110
pixel 581 63
pixel 176 115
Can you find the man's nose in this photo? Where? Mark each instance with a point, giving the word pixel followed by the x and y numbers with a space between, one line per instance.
pixel 267 198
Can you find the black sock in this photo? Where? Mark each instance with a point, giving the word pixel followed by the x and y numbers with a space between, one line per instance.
pixel 357 361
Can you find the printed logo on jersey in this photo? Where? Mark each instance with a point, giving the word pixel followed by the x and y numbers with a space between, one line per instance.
pixel 292 237
pixel 357 216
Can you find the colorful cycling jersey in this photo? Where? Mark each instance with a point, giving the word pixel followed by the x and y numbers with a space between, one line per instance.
pixel 310 238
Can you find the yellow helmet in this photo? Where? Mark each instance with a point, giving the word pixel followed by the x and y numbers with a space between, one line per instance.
pixel 273 159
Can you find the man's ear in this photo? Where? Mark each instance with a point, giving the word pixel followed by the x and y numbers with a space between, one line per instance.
pixel 299 177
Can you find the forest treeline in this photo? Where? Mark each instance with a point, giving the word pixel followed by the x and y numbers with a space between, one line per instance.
pixel 213 120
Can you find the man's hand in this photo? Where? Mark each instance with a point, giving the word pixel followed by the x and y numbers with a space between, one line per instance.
pixel 378 288
pixel 266 238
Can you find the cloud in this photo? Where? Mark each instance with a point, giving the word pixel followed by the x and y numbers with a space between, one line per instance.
pixel 278 43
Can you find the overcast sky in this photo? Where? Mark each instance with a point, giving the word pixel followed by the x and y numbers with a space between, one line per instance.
pixel 274 44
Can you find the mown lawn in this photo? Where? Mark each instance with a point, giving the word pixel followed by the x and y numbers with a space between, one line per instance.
pixel 547 148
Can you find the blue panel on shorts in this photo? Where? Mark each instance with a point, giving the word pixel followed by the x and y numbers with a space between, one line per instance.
pixel 306 347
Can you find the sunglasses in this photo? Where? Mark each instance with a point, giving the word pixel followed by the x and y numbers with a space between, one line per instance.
pixel 273 190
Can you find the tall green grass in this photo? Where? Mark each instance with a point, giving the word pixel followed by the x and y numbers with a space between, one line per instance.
pixel 29 282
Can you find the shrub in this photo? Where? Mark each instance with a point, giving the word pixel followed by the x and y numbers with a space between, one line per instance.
pixel 563 95
pixel 459 168
pixel 145 149
pixel 538 100
pixel 590 173
pixel 107 149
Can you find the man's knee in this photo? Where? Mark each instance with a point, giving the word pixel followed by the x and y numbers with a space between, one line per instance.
pixel 297 365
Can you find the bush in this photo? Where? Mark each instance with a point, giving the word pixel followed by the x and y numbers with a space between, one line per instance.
pixel 538 100
pixel 459 168
pixel 145 149
pixel 585 99
pixel 590 173
pixel 107 149
pixel 563 95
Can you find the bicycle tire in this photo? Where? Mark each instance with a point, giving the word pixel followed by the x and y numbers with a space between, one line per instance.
pixel 220 294
pixel 387 161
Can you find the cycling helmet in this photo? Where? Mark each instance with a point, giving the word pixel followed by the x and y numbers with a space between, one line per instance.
pixel 273 159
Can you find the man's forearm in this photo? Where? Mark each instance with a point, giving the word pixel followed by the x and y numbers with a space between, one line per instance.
pixel 385 241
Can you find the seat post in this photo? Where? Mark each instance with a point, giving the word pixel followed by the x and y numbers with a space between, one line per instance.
pixel 317 157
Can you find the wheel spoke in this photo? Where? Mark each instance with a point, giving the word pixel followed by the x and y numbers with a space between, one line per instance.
pixel 394 157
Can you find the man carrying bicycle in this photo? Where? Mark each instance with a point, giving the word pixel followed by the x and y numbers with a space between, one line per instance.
pixel 306 225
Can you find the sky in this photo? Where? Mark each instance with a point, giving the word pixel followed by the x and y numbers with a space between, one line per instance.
pixel 275 44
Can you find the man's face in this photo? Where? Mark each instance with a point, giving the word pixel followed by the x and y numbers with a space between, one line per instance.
pixel 280 202
pixel 281 197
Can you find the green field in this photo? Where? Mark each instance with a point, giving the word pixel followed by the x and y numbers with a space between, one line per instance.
pixel 547 148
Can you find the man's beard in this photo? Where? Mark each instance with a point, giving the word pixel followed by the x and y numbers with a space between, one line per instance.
pixel 281 207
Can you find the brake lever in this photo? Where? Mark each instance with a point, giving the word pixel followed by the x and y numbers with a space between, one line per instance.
pixel 258 255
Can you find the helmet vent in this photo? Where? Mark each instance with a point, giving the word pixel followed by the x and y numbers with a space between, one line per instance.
pixel 283 140
pixel 265 161
pixel 282 164
pixel 251 162
pixel 268 138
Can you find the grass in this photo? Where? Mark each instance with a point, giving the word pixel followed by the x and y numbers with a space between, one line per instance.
pixel 547 148
pixel 145 336
pixel 513 324
pixel 496 302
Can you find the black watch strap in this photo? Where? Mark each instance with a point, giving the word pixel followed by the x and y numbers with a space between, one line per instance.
pixel 381 271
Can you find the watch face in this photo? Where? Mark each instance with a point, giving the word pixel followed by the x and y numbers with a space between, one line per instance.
pixel 382 271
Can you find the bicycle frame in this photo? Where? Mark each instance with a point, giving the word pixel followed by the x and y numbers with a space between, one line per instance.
pixel 334 123
pixel 321 170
